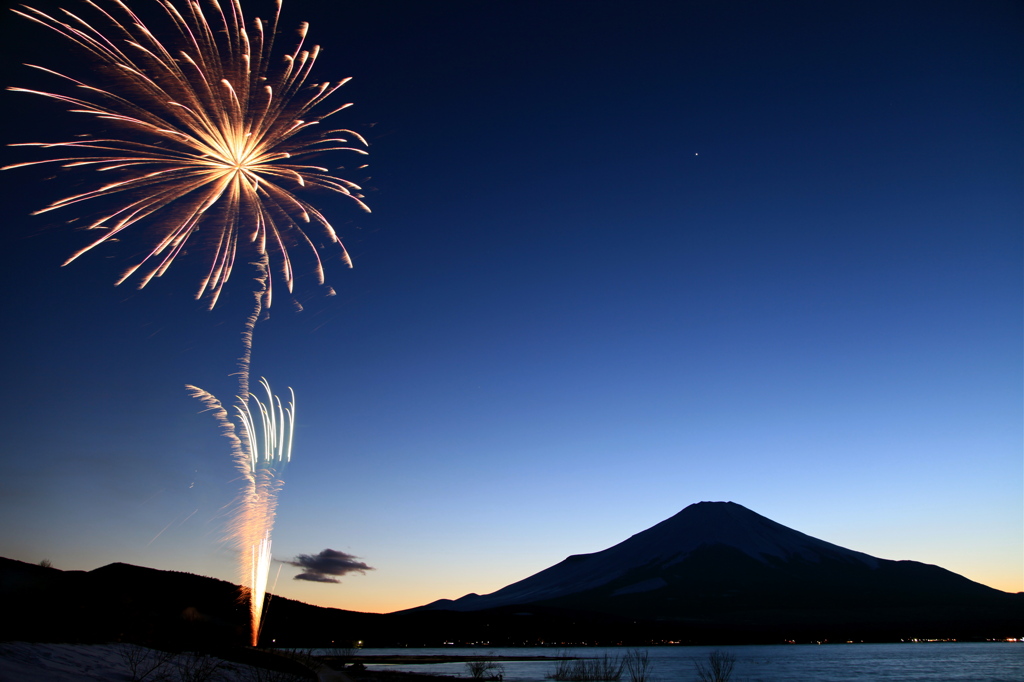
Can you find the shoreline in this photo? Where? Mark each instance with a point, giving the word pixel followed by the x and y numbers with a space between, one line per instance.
pixel 444 658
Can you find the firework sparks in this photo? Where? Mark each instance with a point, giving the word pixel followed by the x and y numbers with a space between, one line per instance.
pixel 211 138
pixel 210 143
pixel 261 446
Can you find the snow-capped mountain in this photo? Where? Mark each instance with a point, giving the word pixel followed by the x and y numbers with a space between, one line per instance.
pixel 716 557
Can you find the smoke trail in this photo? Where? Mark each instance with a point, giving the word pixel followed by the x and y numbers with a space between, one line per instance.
pixel 245 361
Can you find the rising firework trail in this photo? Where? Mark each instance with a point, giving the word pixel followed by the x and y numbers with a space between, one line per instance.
pixel 207 139
pixel 261 446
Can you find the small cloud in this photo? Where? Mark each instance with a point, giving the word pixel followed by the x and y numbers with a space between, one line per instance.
pixel 321 568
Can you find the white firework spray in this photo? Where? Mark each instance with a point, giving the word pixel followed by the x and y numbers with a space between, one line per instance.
pixel 260 450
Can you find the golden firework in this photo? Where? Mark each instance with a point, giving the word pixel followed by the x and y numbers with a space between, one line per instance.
pixel 210 139
pixel 211 135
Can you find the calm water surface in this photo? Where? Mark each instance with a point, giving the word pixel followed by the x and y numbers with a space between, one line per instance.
pixel 945 661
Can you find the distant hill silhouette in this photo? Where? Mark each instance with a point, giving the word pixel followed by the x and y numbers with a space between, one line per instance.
pixel 716 572
pixel 121 602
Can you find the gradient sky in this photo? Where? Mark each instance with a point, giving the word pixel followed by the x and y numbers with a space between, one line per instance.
pixel 624 257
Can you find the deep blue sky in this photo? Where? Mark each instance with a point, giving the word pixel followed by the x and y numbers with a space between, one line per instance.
pixel 623 258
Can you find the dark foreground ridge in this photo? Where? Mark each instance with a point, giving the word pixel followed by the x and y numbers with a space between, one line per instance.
pixel 716 572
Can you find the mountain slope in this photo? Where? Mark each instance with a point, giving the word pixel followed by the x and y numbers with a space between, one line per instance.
pixel 716 560
pixel 715 573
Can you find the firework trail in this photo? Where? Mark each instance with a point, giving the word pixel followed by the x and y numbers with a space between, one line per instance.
pixel 209 144
pixel 260 448
pixel 210 139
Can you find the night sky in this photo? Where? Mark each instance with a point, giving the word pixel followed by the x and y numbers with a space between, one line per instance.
pixel 623 257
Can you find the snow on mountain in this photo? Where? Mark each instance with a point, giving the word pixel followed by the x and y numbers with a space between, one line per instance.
pixel 670 542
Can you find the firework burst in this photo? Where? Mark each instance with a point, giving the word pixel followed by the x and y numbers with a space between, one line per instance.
pixel 210 141
pixel 212 134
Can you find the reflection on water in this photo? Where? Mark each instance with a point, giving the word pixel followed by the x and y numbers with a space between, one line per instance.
pixel 946 661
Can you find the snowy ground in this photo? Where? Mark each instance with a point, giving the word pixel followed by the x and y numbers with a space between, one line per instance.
pixel 29 662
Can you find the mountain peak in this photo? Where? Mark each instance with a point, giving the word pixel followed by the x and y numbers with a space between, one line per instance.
pixel 697 527
pixel 733 525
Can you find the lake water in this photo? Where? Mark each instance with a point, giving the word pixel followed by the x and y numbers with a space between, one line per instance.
pixel 932 661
